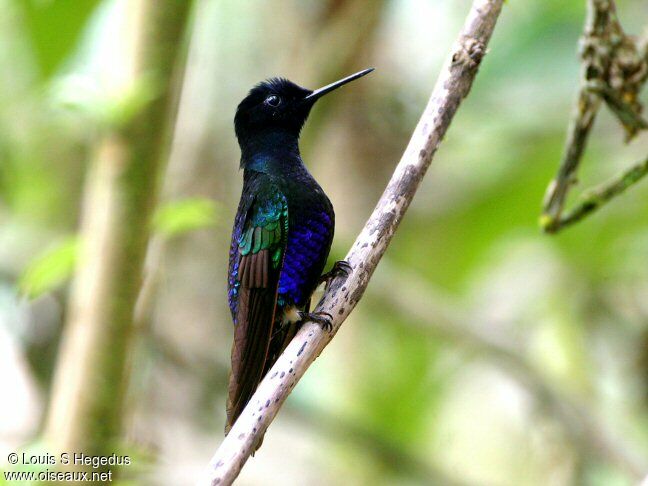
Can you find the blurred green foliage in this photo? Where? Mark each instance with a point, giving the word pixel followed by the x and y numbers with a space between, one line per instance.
pixel 175 218
pixel 573 304
pixel 51 269
pixel 54 28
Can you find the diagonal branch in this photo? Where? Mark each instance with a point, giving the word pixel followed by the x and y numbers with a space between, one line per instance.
pixel 452 86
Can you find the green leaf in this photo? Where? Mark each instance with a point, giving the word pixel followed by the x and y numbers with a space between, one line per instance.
pixel 51 269
pixel 177 217
pixel 109 108
pixel 54 28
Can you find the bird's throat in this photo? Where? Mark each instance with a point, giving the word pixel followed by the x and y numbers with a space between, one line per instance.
pixel 268 144
pixel 272 153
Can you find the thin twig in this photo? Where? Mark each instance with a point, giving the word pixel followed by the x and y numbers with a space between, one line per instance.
pixel 577 135
pixel 584 113
pixel 596 197
pixel 624 111
pixel 453 85
pixel 614 69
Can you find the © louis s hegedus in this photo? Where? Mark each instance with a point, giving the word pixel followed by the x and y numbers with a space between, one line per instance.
pixel 282 233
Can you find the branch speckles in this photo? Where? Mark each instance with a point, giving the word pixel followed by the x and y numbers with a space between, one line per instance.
pixel 470 53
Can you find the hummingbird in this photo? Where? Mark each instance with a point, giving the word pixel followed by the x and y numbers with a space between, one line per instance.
pixel 282 234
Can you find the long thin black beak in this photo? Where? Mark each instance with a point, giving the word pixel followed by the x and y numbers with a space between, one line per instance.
pixel 318 93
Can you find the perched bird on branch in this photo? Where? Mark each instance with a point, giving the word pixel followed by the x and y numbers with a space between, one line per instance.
pixel 282 233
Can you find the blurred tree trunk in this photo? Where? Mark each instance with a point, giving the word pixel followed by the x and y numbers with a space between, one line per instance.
pixel 92 369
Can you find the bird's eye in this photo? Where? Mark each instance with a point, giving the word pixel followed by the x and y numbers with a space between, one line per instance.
pixel 273 100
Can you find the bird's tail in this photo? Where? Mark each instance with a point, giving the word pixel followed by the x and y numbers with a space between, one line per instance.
pixel 252 336
pixel 240 395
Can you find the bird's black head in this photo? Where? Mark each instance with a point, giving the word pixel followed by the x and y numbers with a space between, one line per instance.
pixel 274 104
pixel 279 106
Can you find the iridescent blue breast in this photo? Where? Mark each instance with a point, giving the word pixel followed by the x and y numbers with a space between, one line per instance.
pixel 308 246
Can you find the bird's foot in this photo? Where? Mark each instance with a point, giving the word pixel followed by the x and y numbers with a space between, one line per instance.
pixel 324 319
pixel 340 268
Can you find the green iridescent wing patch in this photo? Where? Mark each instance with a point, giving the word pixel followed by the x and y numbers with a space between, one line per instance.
pixel 266 228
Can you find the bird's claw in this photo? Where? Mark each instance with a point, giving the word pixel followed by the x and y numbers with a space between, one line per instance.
pixel 324 319
pixel 341 268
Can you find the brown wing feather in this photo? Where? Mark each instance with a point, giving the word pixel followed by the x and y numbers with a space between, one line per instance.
pixel 253 332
